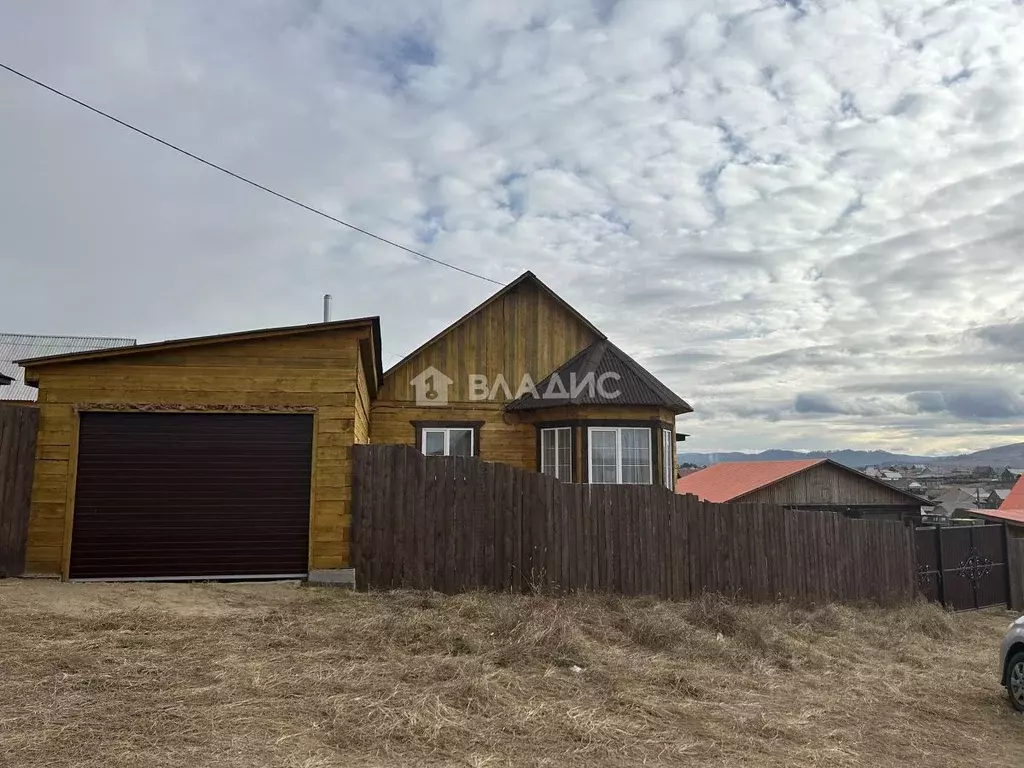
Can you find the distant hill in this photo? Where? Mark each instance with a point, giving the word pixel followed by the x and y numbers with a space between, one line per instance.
pixel 1003 456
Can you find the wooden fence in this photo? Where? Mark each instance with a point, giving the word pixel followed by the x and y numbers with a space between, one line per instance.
pixel 1015 563
pixel 454 524
pixel 18 424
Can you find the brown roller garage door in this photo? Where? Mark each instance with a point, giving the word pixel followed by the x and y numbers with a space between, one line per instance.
pixel 174 495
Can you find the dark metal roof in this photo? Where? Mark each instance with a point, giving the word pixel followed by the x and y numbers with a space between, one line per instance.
pixel 625 382
pixel 5 379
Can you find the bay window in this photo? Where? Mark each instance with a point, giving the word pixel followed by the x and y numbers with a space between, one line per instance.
pixel 620 455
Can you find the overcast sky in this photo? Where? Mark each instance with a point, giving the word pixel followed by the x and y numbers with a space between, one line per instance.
pixel 805 216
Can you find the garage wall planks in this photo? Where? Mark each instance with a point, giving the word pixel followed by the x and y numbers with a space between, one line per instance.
pixel 315 369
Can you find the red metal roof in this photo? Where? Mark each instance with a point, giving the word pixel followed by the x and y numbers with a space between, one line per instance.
pixel 1012 508
pixel 724 482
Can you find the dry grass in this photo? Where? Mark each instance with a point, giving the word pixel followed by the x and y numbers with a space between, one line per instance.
pixel 280 675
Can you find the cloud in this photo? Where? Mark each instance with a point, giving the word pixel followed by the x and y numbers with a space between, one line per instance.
pixel 804 217
pixel 807 402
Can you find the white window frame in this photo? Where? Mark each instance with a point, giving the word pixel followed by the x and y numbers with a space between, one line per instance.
pixel 668 459
pixel 618 452
pixel 447 432
pixel 560 432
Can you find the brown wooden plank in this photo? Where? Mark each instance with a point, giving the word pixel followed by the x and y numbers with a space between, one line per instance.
pixel 446 521
pixel 518 564
pixel 628 503
pixel 500 504
pixel 698 542
pixel 360 489
pixel 428 500
pixel 612 527
pixel 538 532
pixel 488 503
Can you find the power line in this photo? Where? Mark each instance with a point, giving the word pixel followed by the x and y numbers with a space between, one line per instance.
pixel 239 177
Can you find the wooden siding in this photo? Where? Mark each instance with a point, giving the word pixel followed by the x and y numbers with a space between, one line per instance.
pixel 524 331
pixel 362 413
pixel 314 370
pixel 514 444
pixel 827 484
pixel 504 437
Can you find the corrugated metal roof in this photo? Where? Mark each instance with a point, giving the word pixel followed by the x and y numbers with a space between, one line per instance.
pixel 631 383
pixel 20 346
pixel 1012 508
pixel 723 482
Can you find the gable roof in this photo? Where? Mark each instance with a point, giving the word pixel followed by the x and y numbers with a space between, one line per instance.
pixel 634 384
pixel 526 277
pixel 18 346
pixel 220 338
pixel 730 480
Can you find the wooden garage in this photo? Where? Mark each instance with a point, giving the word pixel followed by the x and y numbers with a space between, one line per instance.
pixel 189 495
pixel 220 456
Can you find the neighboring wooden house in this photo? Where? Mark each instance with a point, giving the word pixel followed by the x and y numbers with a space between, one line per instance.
pixel 1008 477
pixel 811 484
pixel 230 455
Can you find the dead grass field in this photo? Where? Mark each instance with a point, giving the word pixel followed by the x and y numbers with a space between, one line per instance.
pixel 282 675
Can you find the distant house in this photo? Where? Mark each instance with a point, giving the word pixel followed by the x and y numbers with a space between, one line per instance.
pixel 19 346
pixel 1008 476
pixel 812 484
pixel 957 500
pixel 891 475
pixel 995 498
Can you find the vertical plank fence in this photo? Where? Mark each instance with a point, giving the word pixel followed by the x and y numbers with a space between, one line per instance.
pixel 455 524
pixel 18 424
pixel 1015 563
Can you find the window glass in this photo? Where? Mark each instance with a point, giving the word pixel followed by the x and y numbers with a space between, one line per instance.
pixel 636 455
pixel 556 452
pixel 433 442
pixel 668 458
pixel 565 454
pixel 461 442
pixel 603 456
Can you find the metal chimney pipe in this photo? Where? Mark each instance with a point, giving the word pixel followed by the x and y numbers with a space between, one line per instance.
pixel 327 307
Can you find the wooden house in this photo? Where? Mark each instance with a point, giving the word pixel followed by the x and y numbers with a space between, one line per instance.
pixel 811 484
pixel 230 455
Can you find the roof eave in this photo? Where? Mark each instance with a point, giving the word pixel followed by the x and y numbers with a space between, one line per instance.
pixel 197 341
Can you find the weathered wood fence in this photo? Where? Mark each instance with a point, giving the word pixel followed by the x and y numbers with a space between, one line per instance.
pixel 18 425
pixel 454 524
pixel 1015 560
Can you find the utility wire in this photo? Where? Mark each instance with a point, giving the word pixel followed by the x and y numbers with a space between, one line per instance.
pixel 239 177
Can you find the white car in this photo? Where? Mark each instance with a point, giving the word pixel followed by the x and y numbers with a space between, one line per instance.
pixel 1011 653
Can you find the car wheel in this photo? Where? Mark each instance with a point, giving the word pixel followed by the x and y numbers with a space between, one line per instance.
pixel 1015 681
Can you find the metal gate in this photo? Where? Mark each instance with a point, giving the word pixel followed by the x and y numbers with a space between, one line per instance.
pixel 963 567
